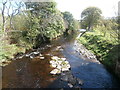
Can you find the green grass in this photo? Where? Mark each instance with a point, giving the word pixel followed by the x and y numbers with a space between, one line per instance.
pixel 104 47
pixel 7 50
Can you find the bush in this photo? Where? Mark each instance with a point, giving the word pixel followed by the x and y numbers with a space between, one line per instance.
pixel 8 50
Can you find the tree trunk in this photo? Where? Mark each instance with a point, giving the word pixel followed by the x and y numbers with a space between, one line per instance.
pixel 3 17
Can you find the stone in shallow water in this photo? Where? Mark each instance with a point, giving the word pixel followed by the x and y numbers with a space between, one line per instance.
pixel 66 62
pixel 21 56
pixel 59 62
pixel 59 67
pixel 63 59
pixel 70 85
pixel 52 61
pixel 53 65
pixel 68 66
pixel 31 57
pixel 40 54
pixel 42 57
pixel 80 82
pixel 27 55
pixel 55 58
pixel 61 49
pixel 65 69
pixel 35 53
pixel 48 45
pixel 55 71
pixel 58 47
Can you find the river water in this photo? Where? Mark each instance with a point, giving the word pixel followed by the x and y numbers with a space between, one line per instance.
pixel 35 73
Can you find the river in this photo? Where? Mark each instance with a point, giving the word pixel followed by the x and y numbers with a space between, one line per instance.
pixel 35 73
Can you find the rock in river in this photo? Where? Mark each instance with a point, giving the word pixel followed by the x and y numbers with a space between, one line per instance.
pixel 54 58
pixel 42 57
pixel 55 71
pixel 60 64
pixel 36 53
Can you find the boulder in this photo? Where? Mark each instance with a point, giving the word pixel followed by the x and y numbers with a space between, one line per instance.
pixel 68 66
pixel 52 61
pixel 65 69
pixel 63 59
pixel 53 65
pixel 80 82
pixel 54 58
pixel 31 57
pixel 48 45
pixel 70 85
pixel 55 71
pixel 59 67
pixel 27 55
pixel 36 53
pixel 40 54
pixel 58 47
pixel 61 49
pixel 42 57
pixel 66 62
pixel 60 63
pixel 21 56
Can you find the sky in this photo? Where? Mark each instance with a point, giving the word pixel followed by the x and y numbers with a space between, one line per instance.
pixel 109 7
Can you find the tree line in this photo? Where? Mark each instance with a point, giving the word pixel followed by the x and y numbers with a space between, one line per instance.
pixel 37 22
pixel 25 25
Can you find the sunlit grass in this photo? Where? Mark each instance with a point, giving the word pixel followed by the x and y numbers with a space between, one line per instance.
pixel 8 50
pixel 103 46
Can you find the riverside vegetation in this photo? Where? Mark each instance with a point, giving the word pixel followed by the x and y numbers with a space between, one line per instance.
pixel 103 41
pixel 31 24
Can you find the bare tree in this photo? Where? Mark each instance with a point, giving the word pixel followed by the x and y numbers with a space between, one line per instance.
pixel 3 15
pixel 9 9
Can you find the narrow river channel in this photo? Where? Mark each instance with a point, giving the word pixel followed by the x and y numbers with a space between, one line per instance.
pixel 35 72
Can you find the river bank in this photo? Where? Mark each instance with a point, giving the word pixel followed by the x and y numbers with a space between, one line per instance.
pixel 84 53
pixel 105 49
pixel 28 72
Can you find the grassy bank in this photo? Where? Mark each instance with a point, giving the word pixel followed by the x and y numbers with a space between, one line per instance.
pixel 104 47
pixel 7 50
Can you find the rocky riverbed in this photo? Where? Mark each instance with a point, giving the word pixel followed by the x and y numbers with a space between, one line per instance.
pixel 84 53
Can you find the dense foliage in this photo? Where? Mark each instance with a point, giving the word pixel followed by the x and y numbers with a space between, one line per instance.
pixel 70 23
pixel 44 22
pixel 29 26
pixel 90 17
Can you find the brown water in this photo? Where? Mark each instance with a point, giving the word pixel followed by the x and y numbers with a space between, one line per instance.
pixel 35 73
pixel 31 73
